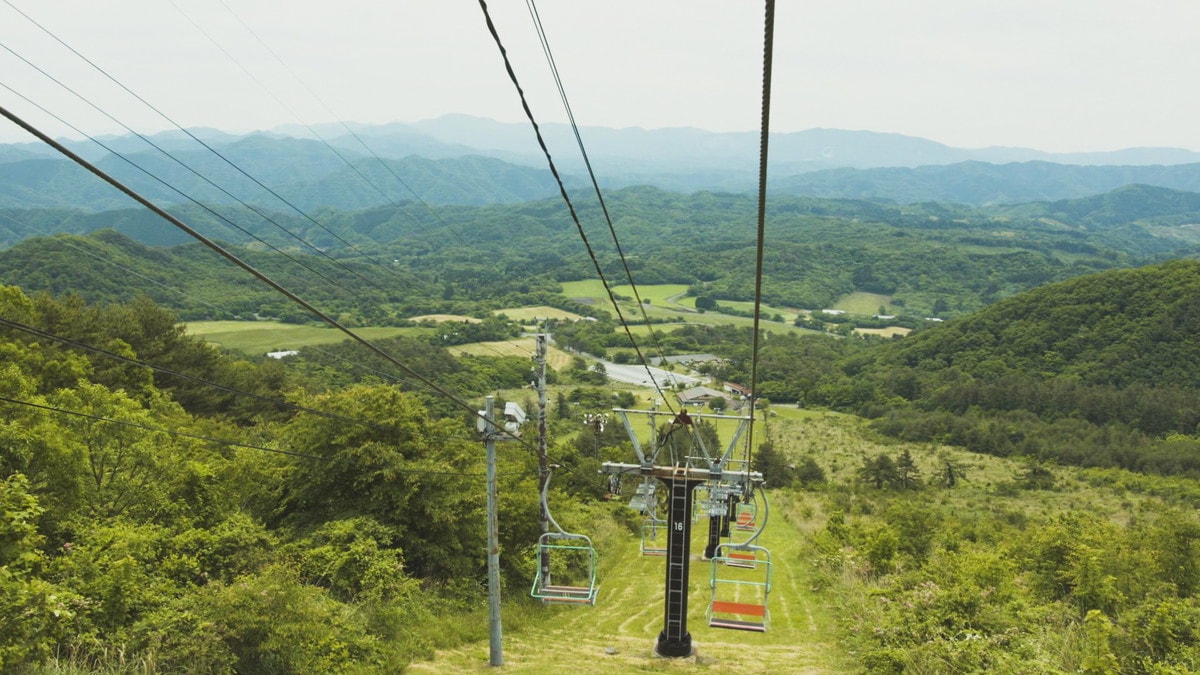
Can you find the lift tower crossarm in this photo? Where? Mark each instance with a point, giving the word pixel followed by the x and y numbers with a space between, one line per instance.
pixel 695 473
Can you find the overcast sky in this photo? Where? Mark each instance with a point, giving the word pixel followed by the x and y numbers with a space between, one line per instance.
pixel 1055 75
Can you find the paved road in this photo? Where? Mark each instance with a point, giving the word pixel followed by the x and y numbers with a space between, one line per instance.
pixel 638 375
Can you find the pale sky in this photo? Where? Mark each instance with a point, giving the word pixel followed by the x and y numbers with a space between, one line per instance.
pixel 1055 75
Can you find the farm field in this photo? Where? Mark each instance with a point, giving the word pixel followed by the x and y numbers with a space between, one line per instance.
pixel 529 315
pixel 659 308
pixel 788 315
pixel 523 347
pixel 444 317
pixel 866 304
pixel 260 337
pixel 658 294
pixel 884 332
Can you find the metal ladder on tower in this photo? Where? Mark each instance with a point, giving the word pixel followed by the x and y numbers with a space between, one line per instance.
pixel 677 558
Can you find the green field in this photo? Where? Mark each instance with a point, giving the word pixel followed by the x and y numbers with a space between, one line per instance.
pixel 660 308
pixel 659 294
pixel 260 337
pixel 789 315
pixel 866 304
pixel 532 314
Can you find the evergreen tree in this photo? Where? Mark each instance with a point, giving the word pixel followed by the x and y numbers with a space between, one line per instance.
pixel 908 476
pixel 878 471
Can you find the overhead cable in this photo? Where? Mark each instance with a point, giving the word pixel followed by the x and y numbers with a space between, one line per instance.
pixel 211 439
pixel 237 261
pixel 563 190
pixel 587 162
pixel 768 50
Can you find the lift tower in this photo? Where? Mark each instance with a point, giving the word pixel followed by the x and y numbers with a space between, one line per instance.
pixel 681 479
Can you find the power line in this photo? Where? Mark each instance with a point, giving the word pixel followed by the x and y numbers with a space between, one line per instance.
pixel 562 92
pixel 563 191
pixel 171 432
pixel 217 310
pixel 175 373
pixel 186 166
pixel 387 167
pixel 218 441
pixel 234 259
pixel 191 135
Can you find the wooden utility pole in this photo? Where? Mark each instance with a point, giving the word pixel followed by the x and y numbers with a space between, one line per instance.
pixel 543 460
pixel 496 656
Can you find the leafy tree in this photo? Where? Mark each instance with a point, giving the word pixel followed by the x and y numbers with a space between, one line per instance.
pixel 773 465
pixel 401 468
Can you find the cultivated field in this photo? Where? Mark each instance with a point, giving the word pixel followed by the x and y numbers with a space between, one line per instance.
pixel 260 337
pixel 865 304
pixel 439 318
pixel 888 332
pixel 661 308
pixel 524 347
pixel 530 315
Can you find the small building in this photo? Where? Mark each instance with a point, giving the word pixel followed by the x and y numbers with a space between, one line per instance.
pixel 738 390
pixel 282 354
pixel 698 397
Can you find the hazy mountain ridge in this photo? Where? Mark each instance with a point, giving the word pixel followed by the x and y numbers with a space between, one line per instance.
pixel 816 162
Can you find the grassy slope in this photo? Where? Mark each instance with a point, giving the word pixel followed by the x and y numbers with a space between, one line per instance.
pixel 629 615
pixel 629 609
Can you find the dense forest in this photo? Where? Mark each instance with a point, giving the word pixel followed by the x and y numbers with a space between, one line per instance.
pixel 380 266
pixel 211 514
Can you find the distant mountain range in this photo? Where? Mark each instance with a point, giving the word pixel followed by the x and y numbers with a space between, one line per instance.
pixel 472 161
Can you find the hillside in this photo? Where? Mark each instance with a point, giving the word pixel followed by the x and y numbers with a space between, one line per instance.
pixel 1118 328
pixel 929 259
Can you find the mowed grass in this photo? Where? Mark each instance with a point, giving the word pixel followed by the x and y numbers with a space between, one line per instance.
pixel 866 304
pixel 526 315
pixel 619 633
pixel 260 337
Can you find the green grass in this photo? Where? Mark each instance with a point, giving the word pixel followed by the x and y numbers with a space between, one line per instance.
pixel 866 304
pixel 660 308
pixel 618 634
pixel 260 337
pixel 789 315
pixel 530 314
